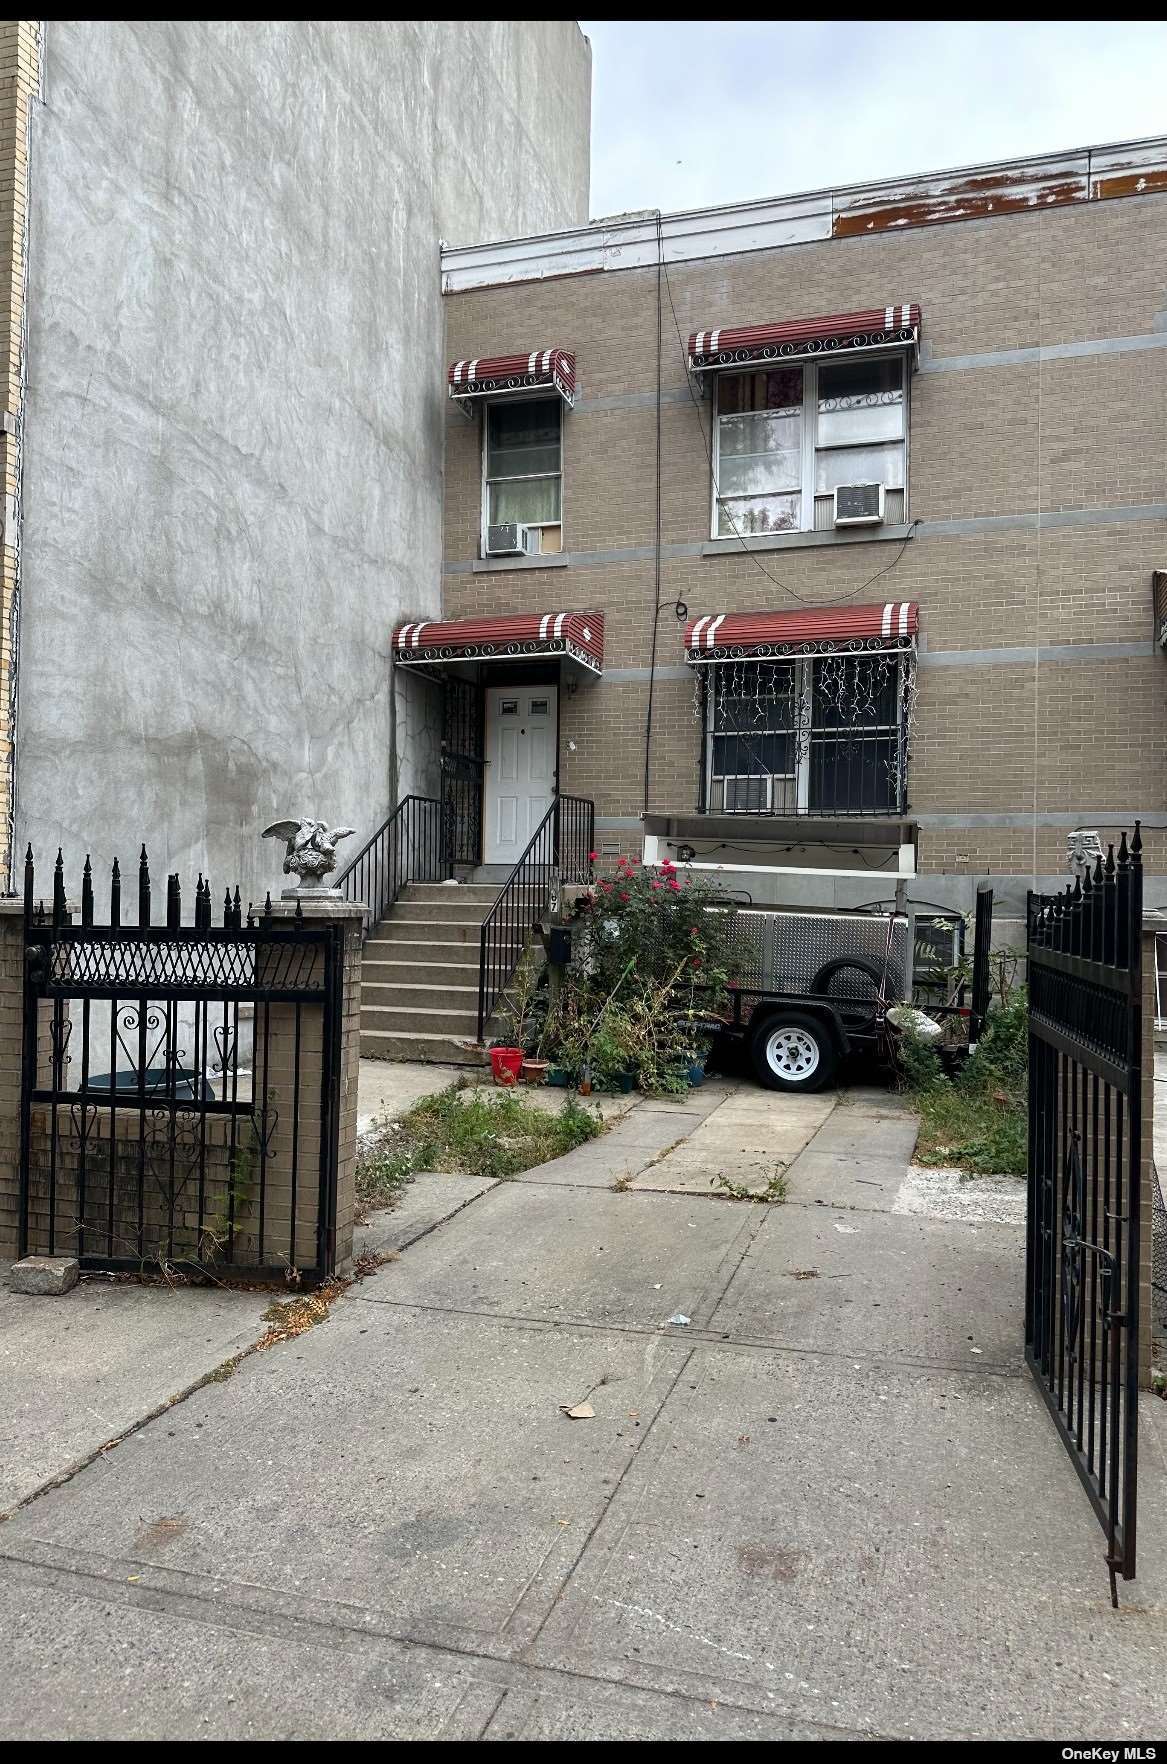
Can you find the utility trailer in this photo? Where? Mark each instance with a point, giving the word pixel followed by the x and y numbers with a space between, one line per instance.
pixel 813 987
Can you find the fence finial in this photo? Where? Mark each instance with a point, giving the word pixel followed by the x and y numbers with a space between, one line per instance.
pixel 1137 843
pixel 143 888
pixel 59 888
pixel 87 892
pixel 29 882
pixel 115 895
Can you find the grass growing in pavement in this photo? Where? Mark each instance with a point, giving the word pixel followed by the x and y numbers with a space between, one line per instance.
pixel 977 1121
pixel 487 1133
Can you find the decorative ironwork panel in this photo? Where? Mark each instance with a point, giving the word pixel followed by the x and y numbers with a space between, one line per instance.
pixel 161 961
pixel 1082 1293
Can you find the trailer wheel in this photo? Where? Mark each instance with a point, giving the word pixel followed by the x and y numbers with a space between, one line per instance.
pixel 793 1051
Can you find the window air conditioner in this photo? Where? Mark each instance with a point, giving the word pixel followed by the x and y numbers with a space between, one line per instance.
pixel 858 505
pixel 513 539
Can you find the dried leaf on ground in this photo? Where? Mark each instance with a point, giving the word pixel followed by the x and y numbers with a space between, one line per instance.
pixel 577 1411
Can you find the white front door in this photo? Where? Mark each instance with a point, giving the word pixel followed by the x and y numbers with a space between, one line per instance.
pixel 520 774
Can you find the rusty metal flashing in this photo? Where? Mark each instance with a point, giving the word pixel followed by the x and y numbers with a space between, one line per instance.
pixel 983 192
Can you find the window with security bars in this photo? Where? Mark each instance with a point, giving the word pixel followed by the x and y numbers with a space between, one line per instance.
pixel 826 735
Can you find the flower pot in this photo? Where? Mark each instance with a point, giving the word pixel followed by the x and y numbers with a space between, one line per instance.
pixel 506 1063
pixel 557 1076
pixel 627 1082
pixel 535 1071
pixel 696 1074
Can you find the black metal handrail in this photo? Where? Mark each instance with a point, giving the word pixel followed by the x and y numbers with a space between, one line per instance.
pixel 558 852
pixel 409 846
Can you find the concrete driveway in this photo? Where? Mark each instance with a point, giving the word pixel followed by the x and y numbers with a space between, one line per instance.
pixel 829 1505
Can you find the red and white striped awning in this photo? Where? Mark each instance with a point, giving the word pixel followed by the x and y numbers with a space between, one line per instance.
pixel 576 636
pixel 819 630
pixel 501 376
pixel 845 333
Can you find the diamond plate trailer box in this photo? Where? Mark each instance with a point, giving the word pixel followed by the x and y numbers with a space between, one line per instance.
pixel 791 953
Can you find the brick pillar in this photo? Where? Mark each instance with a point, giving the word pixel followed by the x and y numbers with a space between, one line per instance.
pixel 279 1028
pixel 11 1058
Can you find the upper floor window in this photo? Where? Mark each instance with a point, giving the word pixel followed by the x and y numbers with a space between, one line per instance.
pixel 785 438
pixel 524 467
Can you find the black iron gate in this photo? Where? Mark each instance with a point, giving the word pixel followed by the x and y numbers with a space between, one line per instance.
pixel 180 1093
pixel 463 764
pixel 1085 1173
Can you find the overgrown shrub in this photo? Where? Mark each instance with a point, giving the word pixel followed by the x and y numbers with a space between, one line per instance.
pixel 651 966
pixel 977 1120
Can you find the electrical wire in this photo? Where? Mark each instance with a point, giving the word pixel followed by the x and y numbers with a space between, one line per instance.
pixel 836 600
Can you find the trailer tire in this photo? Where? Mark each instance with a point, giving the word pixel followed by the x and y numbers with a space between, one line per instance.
pixel 856 1012
pixel 792 1050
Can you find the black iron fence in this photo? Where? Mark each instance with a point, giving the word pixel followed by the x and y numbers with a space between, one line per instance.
pixel 558 852
pixel 409 846
pixel 1082 1296
pixel 180 1091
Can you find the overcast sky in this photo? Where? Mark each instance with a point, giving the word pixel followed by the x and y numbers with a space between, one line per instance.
pixel 685 114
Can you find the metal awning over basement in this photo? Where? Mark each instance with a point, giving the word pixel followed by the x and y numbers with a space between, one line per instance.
pixel 576 636
pixel 839 333
pixel 502 376
pixel 819 630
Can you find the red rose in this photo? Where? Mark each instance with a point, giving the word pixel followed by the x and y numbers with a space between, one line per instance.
pixel 593 856
pixel 624 895
pixel 657 885
pixel 675 886
pixel 696 962
pixel 694 931
pixel 607 887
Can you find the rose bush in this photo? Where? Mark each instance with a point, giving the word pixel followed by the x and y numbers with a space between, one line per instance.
pixel 651 965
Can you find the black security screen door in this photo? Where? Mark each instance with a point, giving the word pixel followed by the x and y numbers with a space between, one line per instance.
pixel 462 771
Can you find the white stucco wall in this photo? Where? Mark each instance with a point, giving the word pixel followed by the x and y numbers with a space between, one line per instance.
pixel 233 435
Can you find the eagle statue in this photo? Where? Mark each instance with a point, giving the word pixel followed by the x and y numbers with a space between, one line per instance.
pixel 311 853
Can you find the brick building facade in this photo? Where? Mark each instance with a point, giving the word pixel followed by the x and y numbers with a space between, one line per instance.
pixel 1032 392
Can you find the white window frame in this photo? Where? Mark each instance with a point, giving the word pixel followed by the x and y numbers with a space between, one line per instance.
pixel 810 389
pixel 485 521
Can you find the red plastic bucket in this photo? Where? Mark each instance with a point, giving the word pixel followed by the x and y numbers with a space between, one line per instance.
pixel 506 1063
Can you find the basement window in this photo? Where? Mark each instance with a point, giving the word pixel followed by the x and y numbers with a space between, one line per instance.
pixel 523 467
pixel 785 438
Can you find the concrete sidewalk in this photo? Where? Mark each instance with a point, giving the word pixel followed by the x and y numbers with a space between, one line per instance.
pixel 830 1505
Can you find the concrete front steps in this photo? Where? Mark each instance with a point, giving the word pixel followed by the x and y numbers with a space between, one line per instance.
pixel 419 975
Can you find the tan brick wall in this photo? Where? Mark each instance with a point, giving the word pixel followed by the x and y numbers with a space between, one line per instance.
pixel 1068 434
